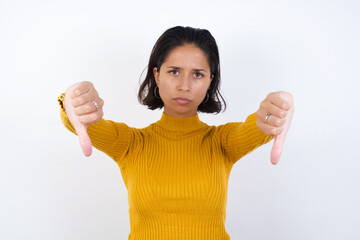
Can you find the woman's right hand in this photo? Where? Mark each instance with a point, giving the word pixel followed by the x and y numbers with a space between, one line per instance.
pixel 80 106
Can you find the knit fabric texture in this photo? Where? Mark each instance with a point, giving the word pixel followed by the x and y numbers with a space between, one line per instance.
pixel 176 172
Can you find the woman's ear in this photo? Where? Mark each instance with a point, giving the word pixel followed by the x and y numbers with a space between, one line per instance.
pixel 156 74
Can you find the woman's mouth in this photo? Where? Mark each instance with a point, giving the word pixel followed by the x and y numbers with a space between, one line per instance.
pixel 182 101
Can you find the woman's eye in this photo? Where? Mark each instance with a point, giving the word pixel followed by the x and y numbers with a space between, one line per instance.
pixel 174 72
pixel 198 75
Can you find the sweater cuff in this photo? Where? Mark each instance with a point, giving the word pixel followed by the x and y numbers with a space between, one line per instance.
pixel 61 99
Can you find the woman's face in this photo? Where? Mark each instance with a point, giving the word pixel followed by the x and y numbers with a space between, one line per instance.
pixel 183 80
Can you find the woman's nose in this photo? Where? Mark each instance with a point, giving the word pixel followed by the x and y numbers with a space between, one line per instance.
pixel 185 83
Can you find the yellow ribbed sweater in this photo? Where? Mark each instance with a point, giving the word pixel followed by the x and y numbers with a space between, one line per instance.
pixel 176 172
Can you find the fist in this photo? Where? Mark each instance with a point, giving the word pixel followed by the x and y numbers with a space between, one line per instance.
pixel 274 118
pixel 277 105
pixel 83 106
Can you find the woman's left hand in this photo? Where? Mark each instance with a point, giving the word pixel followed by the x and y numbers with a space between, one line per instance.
pixel 274 118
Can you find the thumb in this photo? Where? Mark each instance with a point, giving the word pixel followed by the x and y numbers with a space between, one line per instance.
pixel 80 129
pixel 84 139
pixel 276 149
pixel 280 139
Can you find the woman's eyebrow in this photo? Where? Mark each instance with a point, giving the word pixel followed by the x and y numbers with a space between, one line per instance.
pixel 179 68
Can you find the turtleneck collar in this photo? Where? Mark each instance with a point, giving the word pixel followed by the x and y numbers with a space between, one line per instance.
pixel 180 124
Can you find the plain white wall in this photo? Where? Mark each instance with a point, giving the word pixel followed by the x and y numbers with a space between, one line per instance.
pixel 49 190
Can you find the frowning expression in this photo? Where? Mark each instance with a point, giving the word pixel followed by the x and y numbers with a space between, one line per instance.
pixel 183 80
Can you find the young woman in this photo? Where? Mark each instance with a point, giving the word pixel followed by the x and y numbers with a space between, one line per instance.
pixel 176 170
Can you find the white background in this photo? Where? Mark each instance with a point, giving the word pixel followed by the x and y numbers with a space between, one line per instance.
pixel 49 190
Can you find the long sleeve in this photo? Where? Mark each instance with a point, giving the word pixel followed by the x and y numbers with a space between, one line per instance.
pixel 176 172
pixel 241 138
pixel 110 137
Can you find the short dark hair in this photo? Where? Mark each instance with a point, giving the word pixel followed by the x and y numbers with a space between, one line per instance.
pixel 170 39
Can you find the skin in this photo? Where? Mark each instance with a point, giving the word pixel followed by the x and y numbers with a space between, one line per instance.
pixel 281 107
pixel 183 80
